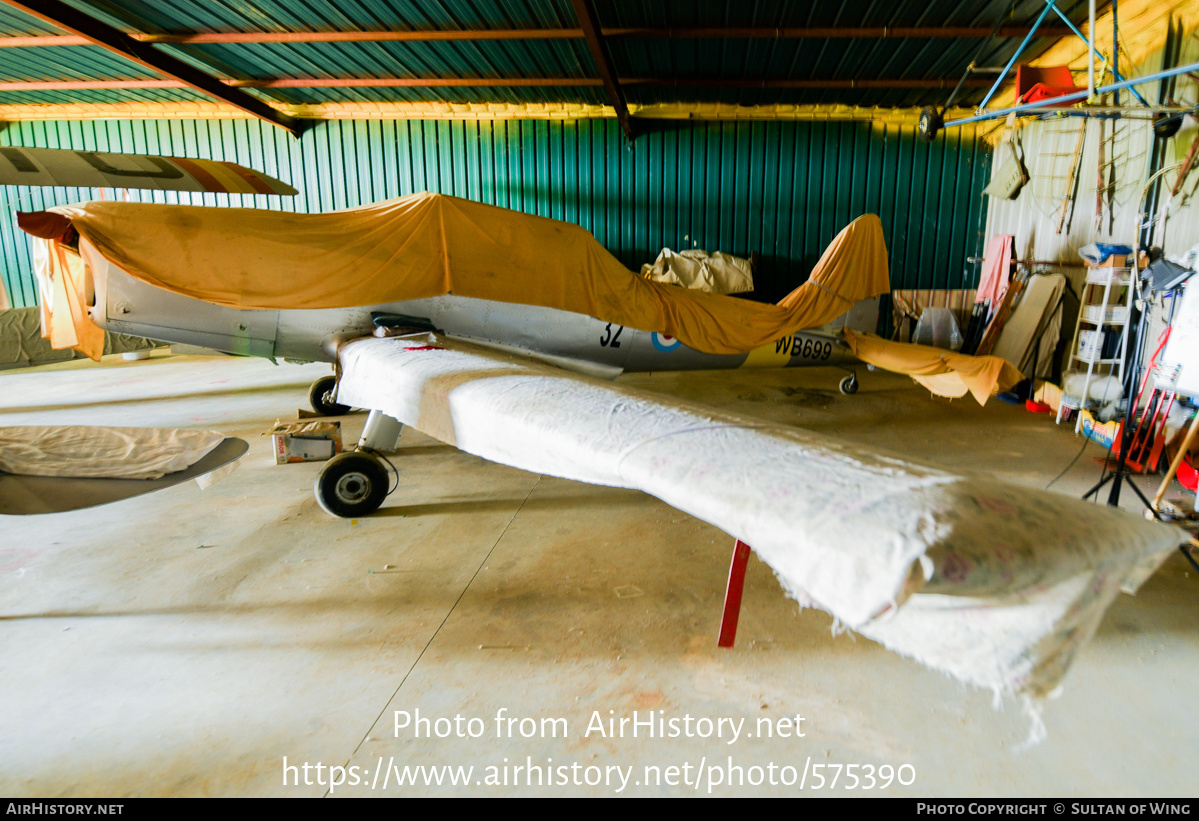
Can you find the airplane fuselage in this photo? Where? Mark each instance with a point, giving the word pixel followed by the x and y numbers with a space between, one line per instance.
pixel 128 305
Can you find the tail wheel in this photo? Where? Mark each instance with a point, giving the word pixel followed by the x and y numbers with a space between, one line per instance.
pixel 929 124
pixel 321 394
pixel 849 385
pixel 351 484
pixel 1166 126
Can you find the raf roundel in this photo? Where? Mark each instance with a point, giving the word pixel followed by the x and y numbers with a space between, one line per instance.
pixel 663 342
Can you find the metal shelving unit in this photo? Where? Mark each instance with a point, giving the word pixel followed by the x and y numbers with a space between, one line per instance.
pixel 1098 312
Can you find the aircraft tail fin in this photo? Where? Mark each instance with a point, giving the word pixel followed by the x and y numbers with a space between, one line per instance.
pixel 851 274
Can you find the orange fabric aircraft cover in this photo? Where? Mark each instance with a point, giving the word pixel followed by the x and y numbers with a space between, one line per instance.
pixel 943 372
pixel 427 245
pixel 65 290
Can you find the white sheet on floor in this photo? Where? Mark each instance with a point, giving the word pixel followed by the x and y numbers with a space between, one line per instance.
pixel 86 452
pixel 996 584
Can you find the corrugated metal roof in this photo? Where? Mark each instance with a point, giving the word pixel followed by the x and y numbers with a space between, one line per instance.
pixel 826 59
pixel 647 64
pixel 333 15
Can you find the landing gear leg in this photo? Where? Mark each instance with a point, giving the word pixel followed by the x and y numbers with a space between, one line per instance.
pixel 382 433
pixel 321 397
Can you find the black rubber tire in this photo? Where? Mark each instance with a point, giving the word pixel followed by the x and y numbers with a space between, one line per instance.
pixel 929 124
pixel 351 484
pixel 1166 126
pixel 849 385
pixel 320 396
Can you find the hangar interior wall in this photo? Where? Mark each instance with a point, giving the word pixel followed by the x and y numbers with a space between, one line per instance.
pixel 780 188
pixel 1097 210
pixel 1115 197
pixel 1117 159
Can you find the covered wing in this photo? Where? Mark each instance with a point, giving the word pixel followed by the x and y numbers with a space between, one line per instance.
pixel 97 169
pixel 427 245
pixel 995 584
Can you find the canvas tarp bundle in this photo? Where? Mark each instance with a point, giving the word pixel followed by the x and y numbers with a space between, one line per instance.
pixel 426 245
pixel 716 273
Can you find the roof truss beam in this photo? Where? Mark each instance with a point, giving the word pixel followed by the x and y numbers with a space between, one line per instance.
pixel 492 82
pixel 473 35
pixel 599 52
pixel 97 33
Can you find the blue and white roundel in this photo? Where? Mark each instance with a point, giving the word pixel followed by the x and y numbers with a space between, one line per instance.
pixel 663 342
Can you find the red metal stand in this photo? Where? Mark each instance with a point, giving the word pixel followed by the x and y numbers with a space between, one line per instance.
pixel 732 594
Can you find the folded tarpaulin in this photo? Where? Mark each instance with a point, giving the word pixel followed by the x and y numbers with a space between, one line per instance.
pixel 426 245
pixel 102 453
pixel 943 372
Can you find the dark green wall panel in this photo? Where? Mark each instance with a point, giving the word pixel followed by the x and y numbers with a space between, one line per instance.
pixel 781 188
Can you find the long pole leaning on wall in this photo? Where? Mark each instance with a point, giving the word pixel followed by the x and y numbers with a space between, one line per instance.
pixel 1091 51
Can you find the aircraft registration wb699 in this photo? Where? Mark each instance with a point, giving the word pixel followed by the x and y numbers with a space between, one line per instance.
pixel 488 329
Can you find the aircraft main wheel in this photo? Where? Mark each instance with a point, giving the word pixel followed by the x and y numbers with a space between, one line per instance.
pixel 929 123
pixel 849 385
pixel 321 394
pixel 351 484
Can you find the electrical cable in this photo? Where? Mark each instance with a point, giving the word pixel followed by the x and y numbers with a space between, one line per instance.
pixel 1086 442
pixel 394 469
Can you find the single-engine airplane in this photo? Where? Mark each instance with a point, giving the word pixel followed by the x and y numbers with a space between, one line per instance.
pixel 568 339
pixel 488 329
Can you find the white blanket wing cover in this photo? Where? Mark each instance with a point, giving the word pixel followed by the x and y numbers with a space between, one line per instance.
pixel 995 584
pixel 86 452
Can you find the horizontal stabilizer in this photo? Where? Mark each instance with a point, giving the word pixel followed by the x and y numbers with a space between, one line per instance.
pixel 97 169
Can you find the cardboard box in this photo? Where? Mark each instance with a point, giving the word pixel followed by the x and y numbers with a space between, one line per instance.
pixel 305 441
pixel 1049 394
pixel 1099 313
pixel 1106 434
pixel 1103 274
pixel 1113 261
pixel 1090 344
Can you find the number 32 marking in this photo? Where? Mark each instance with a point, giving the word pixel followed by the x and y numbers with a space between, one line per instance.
pixel 609 339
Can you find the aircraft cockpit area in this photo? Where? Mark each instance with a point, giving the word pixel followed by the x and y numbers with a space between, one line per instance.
pixel 587 398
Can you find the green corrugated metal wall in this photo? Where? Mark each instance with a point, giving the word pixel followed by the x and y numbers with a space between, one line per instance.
pixel 781 188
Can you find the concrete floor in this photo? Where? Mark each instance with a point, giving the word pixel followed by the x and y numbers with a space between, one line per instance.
pixel 187 642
